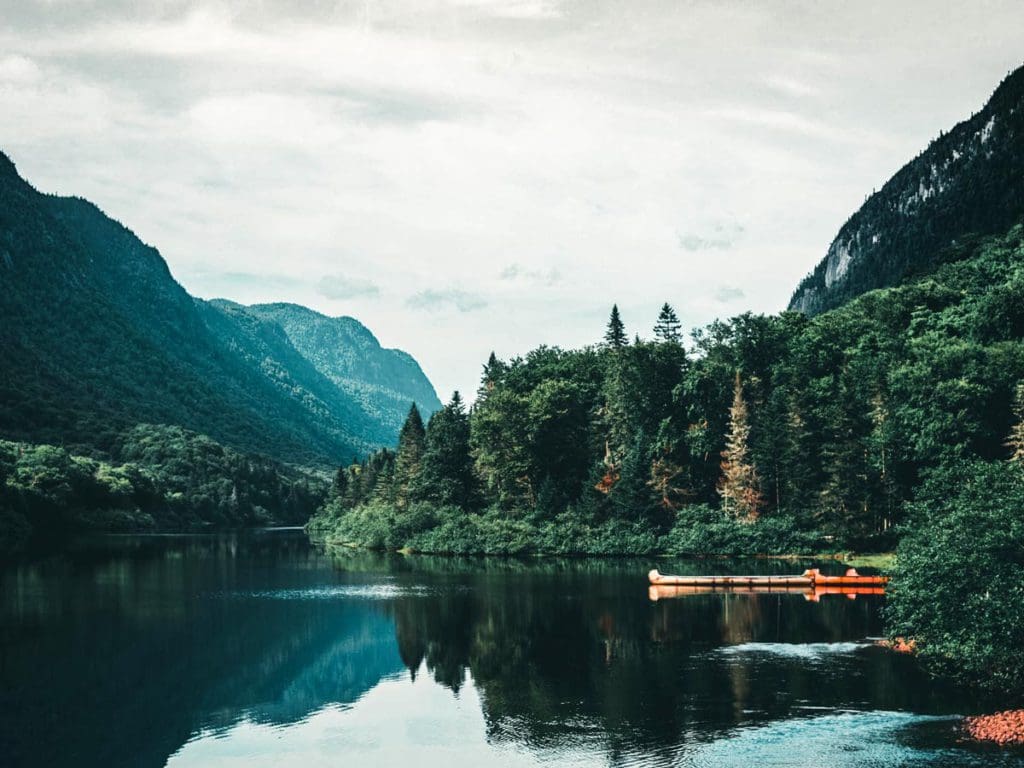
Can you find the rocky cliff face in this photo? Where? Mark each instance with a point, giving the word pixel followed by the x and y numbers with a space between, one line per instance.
pixel 968 181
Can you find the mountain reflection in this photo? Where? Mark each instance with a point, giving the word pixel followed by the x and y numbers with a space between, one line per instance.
pixel 117 658
pixel 118 655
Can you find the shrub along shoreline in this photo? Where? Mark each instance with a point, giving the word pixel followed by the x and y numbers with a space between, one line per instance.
pixel 424 528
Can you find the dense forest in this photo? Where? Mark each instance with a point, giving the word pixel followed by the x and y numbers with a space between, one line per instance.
pixel 161 478
pixel 895 419
pixel 816 429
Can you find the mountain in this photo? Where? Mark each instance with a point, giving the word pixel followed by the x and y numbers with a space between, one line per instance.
pixel 969 181
pixel 96 336
pixel 383 381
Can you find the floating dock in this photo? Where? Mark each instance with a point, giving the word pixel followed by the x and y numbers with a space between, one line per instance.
pixel 811 578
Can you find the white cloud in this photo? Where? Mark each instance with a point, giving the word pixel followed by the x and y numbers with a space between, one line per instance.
pixel 261 140
pixel 515 9
pixel 518 273
pixel 729 293
pixel 791 86
pixel 341 287
pixel 18 69
pixel 434 300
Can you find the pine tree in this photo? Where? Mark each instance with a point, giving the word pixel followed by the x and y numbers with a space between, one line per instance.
pixel 668 329
pixel 738 487
pixel 446 475
pixel 1016 440
pixel 615 335
pixel 879 441
pixel 383 486
pixel 493 370
pixel 411 443
pixel 340 485
pixel 632 497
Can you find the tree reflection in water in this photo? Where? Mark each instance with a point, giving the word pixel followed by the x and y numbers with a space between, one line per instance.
pixel 570 650
pixel 120 654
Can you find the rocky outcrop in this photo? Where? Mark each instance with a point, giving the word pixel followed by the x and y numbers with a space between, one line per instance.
pixel 968 181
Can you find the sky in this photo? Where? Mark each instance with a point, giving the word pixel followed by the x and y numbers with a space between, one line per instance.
pixel 481 175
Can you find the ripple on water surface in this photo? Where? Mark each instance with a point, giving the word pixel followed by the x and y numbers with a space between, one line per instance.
pixel 849 740
pixel 811 652
pixel 329 592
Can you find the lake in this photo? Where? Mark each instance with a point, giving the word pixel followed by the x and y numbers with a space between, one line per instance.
pixel 260 649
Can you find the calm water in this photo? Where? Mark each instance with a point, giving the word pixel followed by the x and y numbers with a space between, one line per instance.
pixel 260 650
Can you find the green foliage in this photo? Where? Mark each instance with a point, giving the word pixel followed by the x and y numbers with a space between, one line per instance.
pixel 429 528
pixel 446 476
pixel 96 336
pixel 703 530
pixel 165 478
pixel 620 448
pixel 412 441
pixel 958 587
pixel 668 329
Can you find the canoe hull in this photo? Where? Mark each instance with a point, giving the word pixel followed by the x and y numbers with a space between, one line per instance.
pixel 809 578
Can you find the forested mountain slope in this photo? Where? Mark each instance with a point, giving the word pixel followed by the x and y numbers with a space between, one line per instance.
pixel 968 181
pixel 382 381
pixel 97 336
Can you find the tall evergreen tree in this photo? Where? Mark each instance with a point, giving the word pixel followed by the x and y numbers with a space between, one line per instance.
pixel 493 370
pixel 446 475
pixel 741 497
pixel 632 497
pixel 411 444
pixel 381 485
pixel 668 329
pixel 615 334
pixel 340 484
pixel 879 441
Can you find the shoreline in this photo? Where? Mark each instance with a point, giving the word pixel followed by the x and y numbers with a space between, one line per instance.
pixel 882 561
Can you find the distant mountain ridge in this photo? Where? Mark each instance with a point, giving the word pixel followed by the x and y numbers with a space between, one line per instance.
pixel 968 181
pixel 384 381
pixel 97 336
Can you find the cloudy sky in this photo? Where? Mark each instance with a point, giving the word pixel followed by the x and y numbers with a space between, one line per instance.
pixel 489 174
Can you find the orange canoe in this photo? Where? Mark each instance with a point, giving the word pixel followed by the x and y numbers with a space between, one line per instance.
pixel 809 578
pixel 849 579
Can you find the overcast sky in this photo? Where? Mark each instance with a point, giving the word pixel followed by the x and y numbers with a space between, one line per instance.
pixel 489 174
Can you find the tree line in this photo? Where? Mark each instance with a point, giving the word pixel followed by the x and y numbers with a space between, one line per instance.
pixel 157 477
pixel 820 428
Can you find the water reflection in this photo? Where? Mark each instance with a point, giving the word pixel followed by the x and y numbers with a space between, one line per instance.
pixel 578 644
pixel 250 649
pixel 115 656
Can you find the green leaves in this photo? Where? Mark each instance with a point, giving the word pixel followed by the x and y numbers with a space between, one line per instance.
pixel 166 477
pixel 958 588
